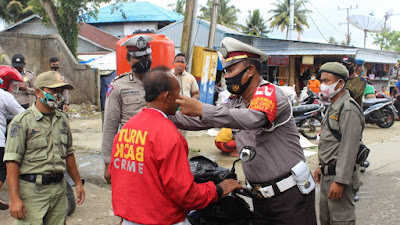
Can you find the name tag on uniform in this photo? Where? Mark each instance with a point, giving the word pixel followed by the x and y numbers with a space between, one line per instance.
pixel 130 92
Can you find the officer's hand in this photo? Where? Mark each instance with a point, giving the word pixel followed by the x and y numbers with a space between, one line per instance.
pixel 190 106
pixel 80 194
pixel 17 209
pixel 22 87
pixel 107 174
pixel 66 108
pixel 317 175
pixel 229 185
pixel 336 191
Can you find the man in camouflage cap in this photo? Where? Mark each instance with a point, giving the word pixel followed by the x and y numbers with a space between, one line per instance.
pixel 261 119
pixel 38 151
pixel 337 148
pixel 125 95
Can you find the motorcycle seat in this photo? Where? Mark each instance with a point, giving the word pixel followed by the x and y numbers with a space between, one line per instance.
pixel 372 101
pixel 300 110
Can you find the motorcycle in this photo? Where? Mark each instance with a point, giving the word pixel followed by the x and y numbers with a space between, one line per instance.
pixel 70 203
pixel 308 119
pixel 380 111
pixel 231 209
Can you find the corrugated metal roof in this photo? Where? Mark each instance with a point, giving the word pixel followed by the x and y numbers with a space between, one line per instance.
pixel 377 56
pixel 312 52
pixel 135 12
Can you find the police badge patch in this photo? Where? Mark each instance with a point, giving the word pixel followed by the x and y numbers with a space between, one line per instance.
pixel 14 129
pixel 141 43
pixel 109 89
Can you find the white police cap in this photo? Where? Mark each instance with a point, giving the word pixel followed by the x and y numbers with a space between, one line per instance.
pixel 138 45
pixel 235 51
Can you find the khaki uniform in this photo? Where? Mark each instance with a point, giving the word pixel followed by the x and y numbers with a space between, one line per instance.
pixel 28 78
pixel 343 155
pixel 40 145
pixel 125 98
pixel 357 87
pixel 278 150
pixel 188 83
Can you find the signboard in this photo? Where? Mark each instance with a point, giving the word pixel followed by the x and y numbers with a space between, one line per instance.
pixel 308 60
pixel 278 60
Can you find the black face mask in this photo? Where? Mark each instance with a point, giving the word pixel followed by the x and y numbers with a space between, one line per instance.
pixel 55 68
pixel 142 66
pixel 234 84
pixel 350 69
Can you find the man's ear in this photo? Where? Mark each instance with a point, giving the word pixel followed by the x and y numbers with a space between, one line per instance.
pixel 251 70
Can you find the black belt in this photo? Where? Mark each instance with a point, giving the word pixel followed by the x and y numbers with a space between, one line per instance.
pixel 331 171
pixel 46 178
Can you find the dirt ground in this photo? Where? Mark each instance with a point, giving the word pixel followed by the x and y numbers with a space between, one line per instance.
pixel 97 208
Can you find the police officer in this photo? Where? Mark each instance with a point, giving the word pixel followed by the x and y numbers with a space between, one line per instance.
pixel 337 149
pixel 38 151
pixel 265 134
pixel 125 95
pixel 355 84
pixel 27 87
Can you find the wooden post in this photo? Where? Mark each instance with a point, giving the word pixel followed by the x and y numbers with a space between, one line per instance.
pixel 292 76
pixel 187 26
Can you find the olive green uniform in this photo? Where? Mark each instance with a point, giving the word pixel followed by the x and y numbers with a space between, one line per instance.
pixel 125 98
pixel 342 157
pixel 357 87
pixel 40 144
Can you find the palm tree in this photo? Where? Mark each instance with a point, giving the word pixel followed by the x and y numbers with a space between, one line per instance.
pixel 280 19
pixel 255 24
pixel 14 11
pixel 178 7
pixel 226 14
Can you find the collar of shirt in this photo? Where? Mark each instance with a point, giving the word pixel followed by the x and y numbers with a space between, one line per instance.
pixel 165 115
pixel 340 100
pixel 39 115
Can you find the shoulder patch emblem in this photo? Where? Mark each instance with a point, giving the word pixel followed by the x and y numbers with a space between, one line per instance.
pixel 264 100
pixel 109 89
pixel 14 129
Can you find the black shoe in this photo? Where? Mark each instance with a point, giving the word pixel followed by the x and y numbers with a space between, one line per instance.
pixel 3 205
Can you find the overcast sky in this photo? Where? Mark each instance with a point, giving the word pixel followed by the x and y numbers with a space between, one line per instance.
pixel 328 19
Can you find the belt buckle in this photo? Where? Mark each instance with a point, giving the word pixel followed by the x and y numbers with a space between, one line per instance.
pixel 256 191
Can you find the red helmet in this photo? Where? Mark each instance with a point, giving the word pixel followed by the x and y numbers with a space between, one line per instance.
pixel 7 74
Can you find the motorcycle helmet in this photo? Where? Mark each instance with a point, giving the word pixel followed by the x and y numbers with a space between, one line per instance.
pixel 8 74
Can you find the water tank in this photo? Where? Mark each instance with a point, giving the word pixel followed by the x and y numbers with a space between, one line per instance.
pixel 163 52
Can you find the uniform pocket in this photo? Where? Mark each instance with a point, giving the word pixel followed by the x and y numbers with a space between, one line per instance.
pixel 36 149
pixel 344 217
pixel 128 100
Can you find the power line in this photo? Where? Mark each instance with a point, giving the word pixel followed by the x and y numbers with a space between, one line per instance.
pixel 313 21
pixel 326 19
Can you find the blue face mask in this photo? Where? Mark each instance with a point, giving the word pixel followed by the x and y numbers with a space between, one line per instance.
pixel 312 78
pixel 362 73
pixel 52 101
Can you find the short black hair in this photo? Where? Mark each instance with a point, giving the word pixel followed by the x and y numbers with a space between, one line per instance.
pixel 256 64
pixel 180 54
pixel 54 59
pixel 384 86
pixel 156 82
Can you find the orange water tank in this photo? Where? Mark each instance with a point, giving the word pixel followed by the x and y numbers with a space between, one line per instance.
pixel 163 52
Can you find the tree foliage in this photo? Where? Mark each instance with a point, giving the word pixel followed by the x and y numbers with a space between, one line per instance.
pixel 255 24
pixel 281 16
pixel 388 40
pixel 227 15
pixel 178 7
pixel 13 11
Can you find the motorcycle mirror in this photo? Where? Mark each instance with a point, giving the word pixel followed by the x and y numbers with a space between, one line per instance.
pixel 247 153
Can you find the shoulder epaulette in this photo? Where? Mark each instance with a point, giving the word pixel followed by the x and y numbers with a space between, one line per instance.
pixel 21 115
pixel 120 76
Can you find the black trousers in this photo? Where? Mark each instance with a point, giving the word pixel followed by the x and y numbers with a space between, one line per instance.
pixel 2 166
pixel 287 208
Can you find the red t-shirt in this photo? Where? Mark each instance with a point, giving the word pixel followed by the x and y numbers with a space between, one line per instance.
pixel 151 178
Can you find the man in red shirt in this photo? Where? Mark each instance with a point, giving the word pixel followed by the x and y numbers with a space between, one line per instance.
pixel 151 178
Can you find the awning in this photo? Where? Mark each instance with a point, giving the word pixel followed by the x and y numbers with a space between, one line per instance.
pixel 377 56
pixel 312 52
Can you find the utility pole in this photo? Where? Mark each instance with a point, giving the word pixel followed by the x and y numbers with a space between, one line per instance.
pixel 213 25
pixel 192 37
pixel 291 20
pixel 348 23
pixel 187 27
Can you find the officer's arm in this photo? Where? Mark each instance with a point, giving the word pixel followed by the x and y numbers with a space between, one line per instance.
pixel 112 118
pixel 31 89
pixel 351 128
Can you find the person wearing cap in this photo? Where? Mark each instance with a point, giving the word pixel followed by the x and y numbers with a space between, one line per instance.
pixel 25 88
pixel 337 173
pixel 38 151
pixel 355 84
pixel 261 116
pixel 125 94
pixel 359 71
pixel 54 64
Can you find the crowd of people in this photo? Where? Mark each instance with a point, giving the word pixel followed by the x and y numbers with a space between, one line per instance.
pixel 146 156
